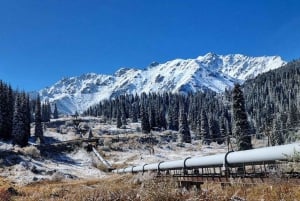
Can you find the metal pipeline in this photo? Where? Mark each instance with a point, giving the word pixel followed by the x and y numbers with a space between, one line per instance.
pixel 259 155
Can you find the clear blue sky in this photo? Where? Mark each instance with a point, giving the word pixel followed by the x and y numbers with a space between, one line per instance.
pixel 42 41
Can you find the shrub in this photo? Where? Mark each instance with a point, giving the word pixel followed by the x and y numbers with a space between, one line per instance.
pixel 4 195
pixel 31 151
pixel 107 142
pixel 57 177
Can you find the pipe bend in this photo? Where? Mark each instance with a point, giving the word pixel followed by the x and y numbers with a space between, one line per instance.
pixel 184 162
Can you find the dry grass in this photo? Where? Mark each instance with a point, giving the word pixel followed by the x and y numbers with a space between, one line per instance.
pixel 126 187
pixel 5 186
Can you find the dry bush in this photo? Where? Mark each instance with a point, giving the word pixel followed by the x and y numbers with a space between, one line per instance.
pixel 166 191
pixel 4 195
pixel 100 166
pixel 124 187
pixel 57 177
pixel 31 151
pixel 117 146
pixel 107 142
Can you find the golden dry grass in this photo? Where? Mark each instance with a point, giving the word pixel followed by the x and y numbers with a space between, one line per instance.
pixel 127 187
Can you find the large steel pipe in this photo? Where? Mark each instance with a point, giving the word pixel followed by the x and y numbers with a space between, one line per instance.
pixel 265 154
pixel 206 161
pixel 152 166
pixel 169 165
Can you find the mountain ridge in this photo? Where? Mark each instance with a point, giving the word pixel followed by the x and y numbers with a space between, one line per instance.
pixel 208 72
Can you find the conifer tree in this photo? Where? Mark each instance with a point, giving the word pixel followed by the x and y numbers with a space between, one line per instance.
pixel 21 120
pixel 277 133
pixel 38 131
pixel 145 120
pixel 119 122
pixel 214 130
pixel 198 127
pixel 55 112
pixel 242 127
pixel 123 118
pixel 134 112
pixel 162 119
pixel 6 110
pixel 204 131
pixel 46 112
pixel 152 116
pixel 184 129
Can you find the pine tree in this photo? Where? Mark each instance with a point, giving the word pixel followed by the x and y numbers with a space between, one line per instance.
pixel 152 116
pixel 123 118
pixel 198 128
pixel 55 112
pixel 214 130
pixel 21 120
pixel 277 133
pixel 10 110
pixel 119 122
pixel 173 112
pixel 46 112
pixel 242 127
pixel 145 120
pixel 38 131
pixel 184 129
pixel 134 112
pixel 6 110
pixel 204 131
pixel 162 119
pixel 223 130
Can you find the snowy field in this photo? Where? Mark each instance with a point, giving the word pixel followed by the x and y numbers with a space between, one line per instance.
pixel 27 165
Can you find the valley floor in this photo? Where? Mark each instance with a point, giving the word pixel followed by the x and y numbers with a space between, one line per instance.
pixel 31 173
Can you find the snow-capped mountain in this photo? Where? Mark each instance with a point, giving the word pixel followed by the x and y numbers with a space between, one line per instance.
pixel 211 71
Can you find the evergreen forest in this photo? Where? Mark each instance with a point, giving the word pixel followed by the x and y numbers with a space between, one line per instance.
pixel 17 111
pixel 271 100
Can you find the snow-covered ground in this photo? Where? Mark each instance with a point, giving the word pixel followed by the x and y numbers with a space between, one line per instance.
pixel 165 153
pixel 79 165
pixel 27 165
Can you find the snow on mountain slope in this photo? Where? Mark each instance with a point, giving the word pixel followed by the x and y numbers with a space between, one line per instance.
pixel 211 71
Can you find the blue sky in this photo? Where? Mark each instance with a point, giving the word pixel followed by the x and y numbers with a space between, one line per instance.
pixel 43 41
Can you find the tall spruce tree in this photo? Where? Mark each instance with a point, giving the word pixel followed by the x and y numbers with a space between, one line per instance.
pixel 198 127
pixel 134 112
pixel 145 120
pixel 46 111
pixel 277 137
pixel 184 129
pixel 55 112
pixel 214 130
pixel 38 131
pixel 119 121
pixel 6 110
pixel 242 127
pixel 21 120
pixel 204 131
